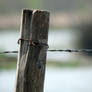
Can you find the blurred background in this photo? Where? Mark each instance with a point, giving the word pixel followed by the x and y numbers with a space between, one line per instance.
pixel 70 28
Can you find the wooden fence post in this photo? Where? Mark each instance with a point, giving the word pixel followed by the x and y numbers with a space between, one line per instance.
pixel 32 57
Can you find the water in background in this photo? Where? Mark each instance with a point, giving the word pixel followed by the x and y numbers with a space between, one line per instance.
pixel 56 80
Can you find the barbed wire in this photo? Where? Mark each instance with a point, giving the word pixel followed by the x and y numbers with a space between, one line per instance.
pixel 56 50
pixel 72 50
pixel 10 52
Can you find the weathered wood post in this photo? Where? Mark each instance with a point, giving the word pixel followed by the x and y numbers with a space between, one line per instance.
pixel 32 52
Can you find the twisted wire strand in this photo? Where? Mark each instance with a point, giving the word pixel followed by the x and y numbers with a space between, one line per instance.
pixel 71 50
pixel 10 52
pixel 56 50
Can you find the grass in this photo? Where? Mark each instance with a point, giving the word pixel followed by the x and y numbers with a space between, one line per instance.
pixel 7 62
pixel 8 65
pixel 71 64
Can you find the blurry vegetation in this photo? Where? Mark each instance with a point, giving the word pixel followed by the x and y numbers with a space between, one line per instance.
pixel 86 37
pixel 64 13
pixel 70 63
pixel 67 5
pixel 34 4
pixel 5 58
pixel 8 65
pixel 11 6
pixel 10 62
pixel 7 6
pixel 7 62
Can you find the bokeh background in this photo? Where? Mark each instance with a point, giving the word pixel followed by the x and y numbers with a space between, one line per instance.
pixel 70 28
